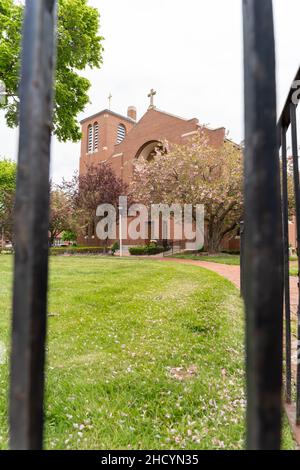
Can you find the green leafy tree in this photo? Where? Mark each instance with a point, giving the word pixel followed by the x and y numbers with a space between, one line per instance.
pixel 79 46
pixel 61 217
pixel 69 236
pixel 7 196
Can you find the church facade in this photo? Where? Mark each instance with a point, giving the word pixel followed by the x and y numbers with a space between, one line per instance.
pixel 120 140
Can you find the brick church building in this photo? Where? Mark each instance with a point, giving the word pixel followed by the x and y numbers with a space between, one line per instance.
pixel 120 140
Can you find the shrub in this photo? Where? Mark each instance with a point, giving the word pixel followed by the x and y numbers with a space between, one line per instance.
pixel 115 247
pixel 75 250
pixel 146 250
pixel 69 236
pixel 6 251
pixel 155 250
pixel 67 250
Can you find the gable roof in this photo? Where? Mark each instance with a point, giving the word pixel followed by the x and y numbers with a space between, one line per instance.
pixel 171 115
pixel 108 111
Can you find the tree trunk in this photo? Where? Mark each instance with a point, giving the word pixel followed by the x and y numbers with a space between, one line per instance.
pixel 2 239
pixel 216 234
pixel 213 246
pixel 214 239
pixel 52 238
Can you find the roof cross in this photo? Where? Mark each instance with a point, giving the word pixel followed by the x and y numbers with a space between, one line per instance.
pixel 151 96
pixel 109 101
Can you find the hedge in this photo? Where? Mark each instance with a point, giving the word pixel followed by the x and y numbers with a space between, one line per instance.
pixel 65 250
pixel 6 251
pixel 75 250
pixel 146 250
pixel 99 250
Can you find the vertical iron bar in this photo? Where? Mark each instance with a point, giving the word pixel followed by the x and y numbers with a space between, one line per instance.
pixel 285 204
pixel 31 227
pixel 263 257
pixel 297 200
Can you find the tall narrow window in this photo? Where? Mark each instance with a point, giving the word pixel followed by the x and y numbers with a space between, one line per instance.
pixel 96 136
pixel 90 138
pixel 121 133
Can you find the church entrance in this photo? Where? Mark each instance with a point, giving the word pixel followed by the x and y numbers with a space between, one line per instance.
pixel 150 149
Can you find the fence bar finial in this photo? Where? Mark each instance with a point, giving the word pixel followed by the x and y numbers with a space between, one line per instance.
pixel 31 226
pixel 263 289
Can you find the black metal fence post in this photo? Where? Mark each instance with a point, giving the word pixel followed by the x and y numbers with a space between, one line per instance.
pixel 263 257
pixel 297 200
pixel 31 226
pixel 285 210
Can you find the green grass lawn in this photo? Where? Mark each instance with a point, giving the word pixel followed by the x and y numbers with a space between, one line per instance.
pixel 223 258
pixel 141 355
pixel 294 268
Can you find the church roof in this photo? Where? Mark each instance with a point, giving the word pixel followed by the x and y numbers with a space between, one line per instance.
pixel 108 111
pixel 196 120
pixel 172 115
pixel 193 121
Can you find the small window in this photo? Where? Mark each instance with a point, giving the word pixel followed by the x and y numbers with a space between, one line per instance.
pixel 90 139
pixel 121 133
pixel 96 136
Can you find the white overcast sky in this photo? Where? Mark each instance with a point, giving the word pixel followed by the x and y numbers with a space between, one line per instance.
pixel 190 52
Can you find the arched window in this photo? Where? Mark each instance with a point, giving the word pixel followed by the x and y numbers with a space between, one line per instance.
pixel 121 133
pixel 90 139
pixel 96 136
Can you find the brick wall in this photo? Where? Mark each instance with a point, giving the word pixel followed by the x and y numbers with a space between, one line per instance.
pixel 108 125
pixel 153 126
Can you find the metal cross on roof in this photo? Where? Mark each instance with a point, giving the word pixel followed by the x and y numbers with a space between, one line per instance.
pixel 109 101
pixel 151 96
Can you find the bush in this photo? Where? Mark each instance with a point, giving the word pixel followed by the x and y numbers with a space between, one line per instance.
pixel 115 247
pixel 146 250
pixel 69 236
pixel 231 252
pixel 6 251
pixel 67 250
pixel 75 250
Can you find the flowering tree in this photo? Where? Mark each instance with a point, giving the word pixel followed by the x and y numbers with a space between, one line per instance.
pixel 8 170
pixel 196 173
pixel 98 185
pixel 61 216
